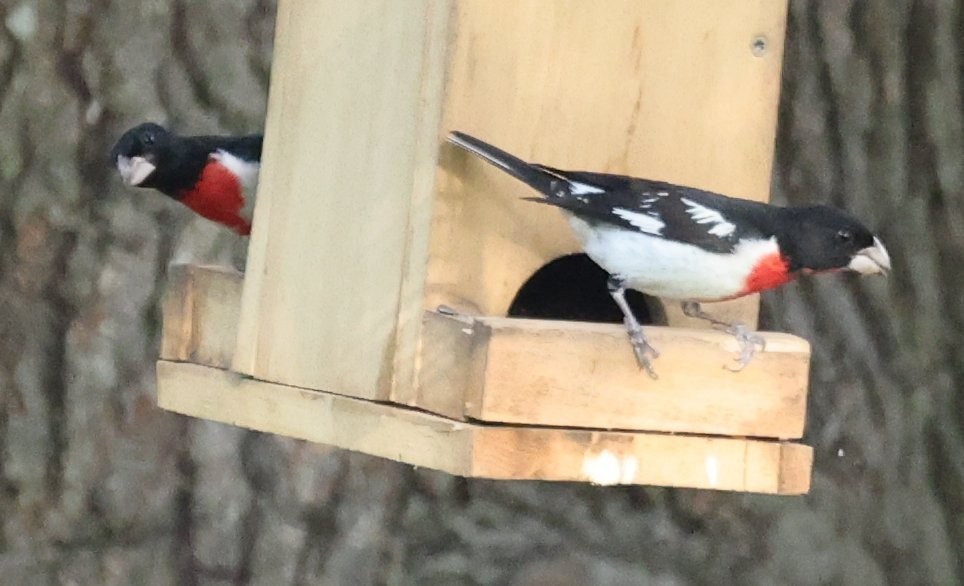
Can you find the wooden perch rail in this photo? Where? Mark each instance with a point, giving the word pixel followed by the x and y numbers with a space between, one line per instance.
pixel 577 374
pixel 484 451
pixel 493 358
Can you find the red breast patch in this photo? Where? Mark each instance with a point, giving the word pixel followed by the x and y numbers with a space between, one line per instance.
pixel 770 271
pixel 219 197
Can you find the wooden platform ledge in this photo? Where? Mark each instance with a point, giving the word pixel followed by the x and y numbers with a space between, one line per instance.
pixel 493 369
pixel 486 451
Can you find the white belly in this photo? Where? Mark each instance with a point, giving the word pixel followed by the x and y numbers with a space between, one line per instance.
pixel 664 268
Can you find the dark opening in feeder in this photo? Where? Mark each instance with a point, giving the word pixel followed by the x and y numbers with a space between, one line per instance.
pixel 573 288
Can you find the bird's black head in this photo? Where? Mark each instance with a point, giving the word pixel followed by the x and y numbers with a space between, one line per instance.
pixel 138 153
pixel 144 155
pixel 821 238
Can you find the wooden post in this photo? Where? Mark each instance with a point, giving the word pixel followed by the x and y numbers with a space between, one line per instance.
pixel 349 157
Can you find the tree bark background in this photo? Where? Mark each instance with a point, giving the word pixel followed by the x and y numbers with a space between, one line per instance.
pixel 99 487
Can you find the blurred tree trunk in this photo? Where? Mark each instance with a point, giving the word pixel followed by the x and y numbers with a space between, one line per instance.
pixel 99 487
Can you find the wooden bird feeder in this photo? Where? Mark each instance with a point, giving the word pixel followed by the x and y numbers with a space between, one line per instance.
pixel 366 224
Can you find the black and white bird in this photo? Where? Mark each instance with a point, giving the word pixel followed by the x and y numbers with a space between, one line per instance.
pixel 214 176
pixel 688 244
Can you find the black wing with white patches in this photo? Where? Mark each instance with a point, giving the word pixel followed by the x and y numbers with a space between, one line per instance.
pixel 709 220
pixel 682 214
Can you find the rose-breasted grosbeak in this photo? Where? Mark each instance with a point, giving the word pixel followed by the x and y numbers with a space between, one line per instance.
pixel 688 244
pixel 215 176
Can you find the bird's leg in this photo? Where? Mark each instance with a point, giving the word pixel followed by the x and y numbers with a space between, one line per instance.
pixel 641 348
pixel 748 339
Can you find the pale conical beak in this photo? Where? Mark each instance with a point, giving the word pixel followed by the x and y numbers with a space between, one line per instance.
pixel 134 170
pixel 871 260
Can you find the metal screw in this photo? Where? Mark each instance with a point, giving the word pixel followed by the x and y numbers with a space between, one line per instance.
pixel 759 46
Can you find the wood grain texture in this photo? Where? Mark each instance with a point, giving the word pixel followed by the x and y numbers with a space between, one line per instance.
pixel 475 450
pixel 585 375
pixel 200 311
pixel 449 367
pixel 665 90
pixel 343 158
pixel 541 372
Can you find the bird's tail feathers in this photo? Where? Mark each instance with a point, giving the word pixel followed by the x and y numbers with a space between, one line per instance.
pixel 532 175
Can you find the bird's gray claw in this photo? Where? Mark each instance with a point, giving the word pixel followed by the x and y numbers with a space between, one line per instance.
pixel 748 346
pixel 644 352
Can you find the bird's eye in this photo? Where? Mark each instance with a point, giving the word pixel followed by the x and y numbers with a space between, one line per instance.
pixel 148 138
pixel 845 236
